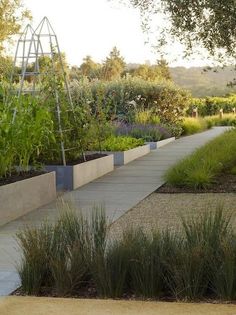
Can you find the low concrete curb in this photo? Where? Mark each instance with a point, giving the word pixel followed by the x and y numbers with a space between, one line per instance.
pixel 124 157
pixel 26 195
pixel 158 144
pixel 71 177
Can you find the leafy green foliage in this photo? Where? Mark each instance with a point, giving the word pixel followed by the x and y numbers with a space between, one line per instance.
pixel 22 141
pixel 76 252
pixel 200 168
pixel 120 143
pixel 127 95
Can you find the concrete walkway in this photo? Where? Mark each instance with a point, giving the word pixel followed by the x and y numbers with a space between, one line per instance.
pixel 118 191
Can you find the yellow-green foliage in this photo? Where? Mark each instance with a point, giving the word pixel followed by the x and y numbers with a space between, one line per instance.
pixel 226 120
pixel 200 168
pixel 193 125
pixel 146 117
pixel 119 143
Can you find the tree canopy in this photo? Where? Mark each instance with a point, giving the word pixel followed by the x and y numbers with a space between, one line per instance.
pixel 12 14
pixel 114 65
pixel 90 68
pixel 211 23
pixel 159 71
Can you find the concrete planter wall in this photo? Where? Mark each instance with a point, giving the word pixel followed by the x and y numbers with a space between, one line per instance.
pixel 73 176
pixel 159 144
pixel 21 197
pixel 124 157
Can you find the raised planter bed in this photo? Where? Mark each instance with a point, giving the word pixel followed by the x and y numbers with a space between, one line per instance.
pixel 158 144
pixel 23 196
pixel 124 157
pixel 73 176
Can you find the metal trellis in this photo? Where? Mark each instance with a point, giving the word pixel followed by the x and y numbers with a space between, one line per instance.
pixel 31 46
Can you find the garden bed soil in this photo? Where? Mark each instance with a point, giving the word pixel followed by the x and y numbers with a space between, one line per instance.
pixel 20 176
pixel 224 183
pixel 79 160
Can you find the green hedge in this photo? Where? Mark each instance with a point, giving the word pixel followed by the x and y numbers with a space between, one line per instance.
pixel 125 96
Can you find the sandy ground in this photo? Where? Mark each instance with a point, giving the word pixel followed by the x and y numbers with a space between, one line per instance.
pixel 159 211
pixel 50 306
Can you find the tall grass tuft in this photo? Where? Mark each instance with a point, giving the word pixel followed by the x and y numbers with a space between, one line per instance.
pixel 37 246
pixel 71 252
pixel 200 169
pixel 77 252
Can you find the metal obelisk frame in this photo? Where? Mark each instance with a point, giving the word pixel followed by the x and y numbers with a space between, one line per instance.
pixel 42 43
pixel 21 54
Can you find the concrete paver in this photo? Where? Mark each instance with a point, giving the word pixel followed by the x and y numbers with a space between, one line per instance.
pixel 118 192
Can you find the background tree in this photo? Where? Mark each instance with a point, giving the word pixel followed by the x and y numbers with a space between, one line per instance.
pixel 5 67
pixel 159 71
pixel 114 65
pixel 210 23
pixel 12 15
pixel 89 68
pixel 163 69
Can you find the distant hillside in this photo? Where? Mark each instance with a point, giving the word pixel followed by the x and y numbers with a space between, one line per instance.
pixel 204 83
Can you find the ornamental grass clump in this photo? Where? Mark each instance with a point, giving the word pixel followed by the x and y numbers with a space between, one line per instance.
pixel 78 255
pixel 200 169
pixel 226 120
pixel 193 125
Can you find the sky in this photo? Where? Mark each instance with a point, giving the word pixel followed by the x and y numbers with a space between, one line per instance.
pixel 93 27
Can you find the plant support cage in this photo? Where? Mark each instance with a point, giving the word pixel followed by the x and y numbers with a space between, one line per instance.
pixel 33 46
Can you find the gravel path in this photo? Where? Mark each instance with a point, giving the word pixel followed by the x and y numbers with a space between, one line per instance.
pixel 165 210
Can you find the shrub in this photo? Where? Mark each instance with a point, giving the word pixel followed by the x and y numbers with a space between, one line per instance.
pixel 125 96
pixel 147 132
pixel 200 168
pixel 193 125
pixel 119 143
